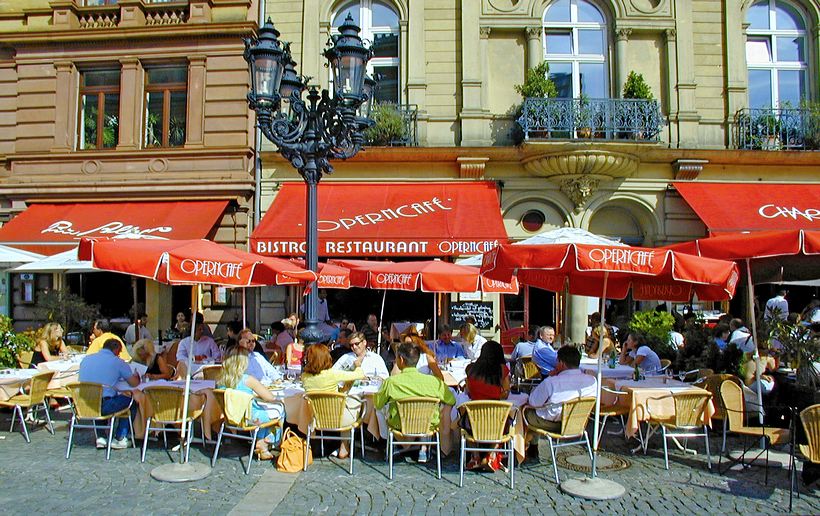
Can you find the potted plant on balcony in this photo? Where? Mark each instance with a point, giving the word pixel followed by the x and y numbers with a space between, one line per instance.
pixel 584 119
pixel 388 127
pixel 768 128
pixel 810 112
pixel 537 84
pixel 635 87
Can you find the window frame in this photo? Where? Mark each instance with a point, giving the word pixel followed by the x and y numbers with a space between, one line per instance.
pixel 166 89
pixel 368 33
pixel 774 65
pixel 576 59
pixel 100 92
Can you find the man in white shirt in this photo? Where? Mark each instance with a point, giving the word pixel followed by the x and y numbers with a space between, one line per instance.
pixel 203 347
pixel 565 383
pixel 777 307
pixel 372 364
pixel 131 333
pixel 258 365
pixel 741 337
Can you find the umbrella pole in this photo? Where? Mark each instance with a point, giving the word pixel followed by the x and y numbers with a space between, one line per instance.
pixel 434 330
pixel 244 310
pixel 185 396
pixel 596 422
pixel 381 317
pixel 594 487
pixel 753 320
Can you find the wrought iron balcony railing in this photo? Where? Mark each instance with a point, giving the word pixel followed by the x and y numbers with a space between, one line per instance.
pixel 598 119
pixel 396 125
pixel 778 129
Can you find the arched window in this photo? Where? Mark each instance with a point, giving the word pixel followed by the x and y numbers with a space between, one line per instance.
pixel 776 54
pixel 575 46
pixel 379 22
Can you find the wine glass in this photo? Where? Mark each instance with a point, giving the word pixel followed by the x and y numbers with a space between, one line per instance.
pixel 682 374
pixel 291 375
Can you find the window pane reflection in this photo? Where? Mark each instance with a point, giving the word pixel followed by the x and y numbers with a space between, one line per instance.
pixel 386 45
pixel 760 89
pixel 590 42
pixel 558 11
pixel 790 84
pixel 561 75
pixel 559 42
pixel 387 78
pixel 593 84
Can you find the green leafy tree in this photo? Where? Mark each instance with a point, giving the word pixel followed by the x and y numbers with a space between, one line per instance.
pixel 655 327
pixel 70 310
pixel 537 83
pixel 388 127
pixel 12 343
pixel 635 87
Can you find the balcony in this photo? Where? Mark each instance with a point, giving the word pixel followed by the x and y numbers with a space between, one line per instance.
pixel 395 126
pixel 591 119
pixel 778 129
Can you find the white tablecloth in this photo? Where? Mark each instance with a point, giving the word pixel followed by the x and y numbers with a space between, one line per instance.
pixel 61 365
pixel 590 366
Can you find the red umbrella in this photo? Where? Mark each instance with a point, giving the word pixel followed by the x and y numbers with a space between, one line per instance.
pixel 190 262
pixel 330 276
pixel 770 257
pixel 610 271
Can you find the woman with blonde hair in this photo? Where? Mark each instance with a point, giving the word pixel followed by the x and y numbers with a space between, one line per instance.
pixel 234 375
pixel 594 340
pixel 472 341
pixel 49 344
pixel 145 354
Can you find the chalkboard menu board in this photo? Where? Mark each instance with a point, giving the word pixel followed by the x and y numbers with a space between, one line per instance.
pixel 482 311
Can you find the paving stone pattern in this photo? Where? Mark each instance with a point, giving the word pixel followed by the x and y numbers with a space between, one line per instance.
pixel 36 479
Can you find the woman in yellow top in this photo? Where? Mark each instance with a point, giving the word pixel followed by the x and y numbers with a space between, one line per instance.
pixel 319 376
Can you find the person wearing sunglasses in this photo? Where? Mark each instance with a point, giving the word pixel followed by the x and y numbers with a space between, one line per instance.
pixel 372 364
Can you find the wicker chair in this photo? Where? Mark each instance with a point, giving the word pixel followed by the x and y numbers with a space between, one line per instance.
pixel 527 375
pixel 734 408
pixel 238 427
pixel 166 403
pixel 574 417
pixel 619 408
pixel 712 384
pixel 210 372
pixel 277 358
pixel 328 410
pixel 810 417
pixel 24 359
pixel 87 405
pixel 688 419
pixel 35 399
pixel 487 421
pixel 665 364
pixel 415 415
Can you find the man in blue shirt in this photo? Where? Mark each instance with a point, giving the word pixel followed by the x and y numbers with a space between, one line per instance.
pixel 446 349
pixel 543 354
pixel 258 366
pixel 107 368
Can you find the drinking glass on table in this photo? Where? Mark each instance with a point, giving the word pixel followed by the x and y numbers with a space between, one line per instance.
pixel 668 377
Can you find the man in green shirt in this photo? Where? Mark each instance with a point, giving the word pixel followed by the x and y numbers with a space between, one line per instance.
pixel 410 382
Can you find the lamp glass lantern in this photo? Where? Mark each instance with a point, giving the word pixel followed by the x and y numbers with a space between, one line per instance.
pixel 369 92
pixel 348 59
pixel 266 61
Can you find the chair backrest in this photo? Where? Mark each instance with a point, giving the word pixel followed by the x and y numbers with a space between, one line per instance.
pixel 529 369
pixel 574 416
pixel 86 398
pixel 170 353
pixel 731 400
pixel 77 348
pixel 166 402
pixel 689 407
pixel 327 408
pixel 211 372
pixel 665 362
pixel 705 372
pixel 416 414
pixel 276 357
pixel 712 384
pixel 232 413
pixel 39 386
pixel 487 418
pixel 810 417
pixel 24 359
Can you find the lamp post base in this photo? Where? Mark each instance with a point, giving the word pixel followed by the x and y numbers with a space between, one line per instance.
pixel 312 333
pixel 593 488
pixel 175 472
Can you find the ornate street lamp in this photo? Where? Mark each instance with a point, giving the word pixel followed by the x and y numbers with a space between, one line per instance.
pixel 310 134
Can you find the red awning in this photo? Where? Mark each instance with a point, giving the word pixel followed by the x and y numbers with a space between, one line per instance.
pixel 728 207
pixel 52 228
pixel 385 219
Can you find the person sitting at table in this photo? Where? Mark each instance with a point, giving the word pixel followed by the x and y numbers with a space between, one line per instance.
pixel 543 354
pixel 49 344
pixel 201 347
pixel 100 334
pixel 288 334
pixel 445 348
pixel 258 366
pixel 342 345
pixel 107 368
pixel 232 330
pixel 293 354
pixel 319 375
pixel 411 382
pixel 372 330
pixel 157 367
pixel 131 333
pixel 525 345
pixel 427 363
pixel 635 352
pixel 371 363
pixel 235 375
pixel 594 341
pixel 566 383
pixel 471 340
pixel 488 378
pixel 720 335
pixel 766 363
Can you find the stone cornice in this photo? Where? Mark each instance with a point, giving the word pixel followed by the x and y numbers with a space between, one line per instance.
pixel 199 30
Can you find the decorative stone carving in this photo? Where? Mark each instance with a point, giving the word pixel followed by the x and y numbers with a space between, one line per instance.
pixel 91 166
pixel 534 32
pixel 670 34
pixel 484 32
pixel 602 163
pixel 157 165
pixel 623 34
pixel 648 8
pixel 688 169
pixel 471 168
pixel 579 190
pixel 505 6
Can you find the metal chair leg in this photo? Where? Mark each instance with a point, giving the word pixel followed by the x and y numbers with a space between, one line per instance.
pixel 723 445
pixel 218 443
pixel 307 449
pixel 70 437
pixel 352 447
pixel 110 438
pixel 190 439
pixel 708 454
pixel 589 448
pixel 390 456
pixel 554 462
pixel 253 449
pixel 461 462
pixel 131 429
pixel 50 425
pixel 145 439
pixel 23 423
pixel 665 447
pixel 361 439
pixel 512 463
pixel 438 454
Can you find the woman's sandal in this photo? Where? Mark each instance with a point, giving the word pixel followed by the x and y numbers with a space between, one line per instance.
pixel 264 454
pixel 474 463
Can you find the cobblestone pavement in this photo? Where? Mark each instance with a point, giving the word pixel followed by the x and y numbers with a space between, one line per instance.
pixel 36 478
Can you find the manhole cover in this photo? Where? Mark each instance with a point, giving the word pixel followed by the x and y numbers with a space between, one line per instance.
pixel 580 461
